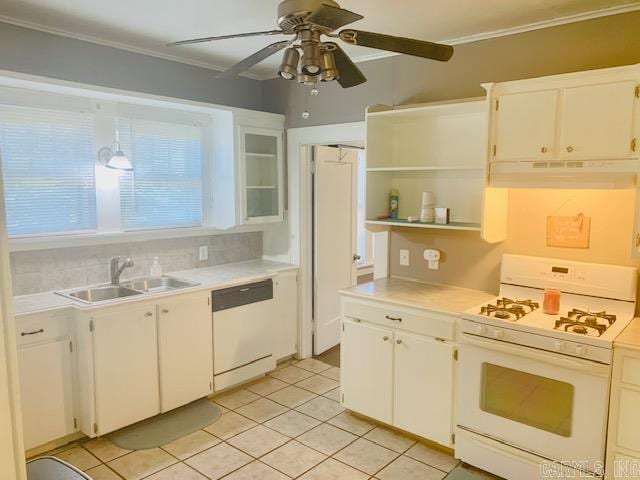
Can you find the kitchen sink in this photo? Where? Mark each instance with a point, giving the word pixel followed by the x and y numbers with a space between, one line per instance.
pixel 138 286
pixel 157 284
pixel 100 293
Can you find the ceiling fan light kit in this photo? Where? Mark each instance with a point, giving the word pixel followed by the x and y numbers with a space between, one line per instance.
pixel 307 21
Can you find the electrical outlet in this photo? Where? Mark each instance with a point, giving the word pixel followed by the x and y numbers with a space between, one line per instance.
pixel 404 258
pixel 203 253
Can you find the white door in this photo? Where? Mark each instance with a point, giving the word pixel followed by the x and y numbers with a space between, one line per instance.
pixel 286 317
pixel 526 125
pixel 335 214
pixel 46 392
pixel 125 352
pixel 597 121
pixel 423 387
pixel 366 371
pixel 185 343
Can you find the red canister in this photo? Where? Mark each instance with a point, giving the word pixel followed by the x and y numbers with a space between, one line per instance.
pixel 551 304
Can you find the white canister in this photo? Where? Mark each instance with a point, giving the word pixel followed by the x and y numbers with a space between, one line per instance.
pixel 427 212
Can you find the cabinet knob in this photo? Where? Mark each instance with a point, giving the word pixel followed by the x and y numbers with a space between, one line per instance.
pixel 385 338
pixel 543 150
pixel 148 314
pixel 164 310
pixel 398 341
pixel 569 149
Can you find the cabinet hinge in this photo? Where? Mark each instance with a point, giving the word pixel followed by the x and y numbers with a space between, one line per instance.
pixel 637 92
pixel 342 397
pixel 455 354
pixel 211 386
pixel 95 428
pixel 633 144
pixel 71 347
pixel 91 325
pixel 495 148
pixel 497 105
pixel 453 438
pixel 75 423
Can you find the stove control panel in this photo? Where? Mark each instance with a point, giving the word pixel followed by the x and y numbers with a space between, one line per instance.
pixel 536 341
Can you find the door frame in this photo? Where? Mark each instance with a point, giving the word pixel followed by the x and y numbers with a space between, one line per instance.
pixel 299 148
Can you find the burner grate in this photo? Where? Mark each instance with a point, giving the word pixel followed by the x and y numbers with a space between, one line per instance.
pixel 581 322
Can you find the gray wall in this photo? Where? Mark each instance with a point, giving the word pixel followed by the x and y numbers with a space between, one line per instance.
pixel 39 53
pixel 598 43
pixel 61 268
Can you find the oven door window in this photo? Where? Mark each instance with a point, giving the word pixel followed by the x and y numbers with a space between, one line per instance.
pixel 539 402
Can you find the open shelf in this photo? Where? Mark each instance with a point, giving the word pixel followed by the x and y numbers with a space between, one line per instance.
pixel 424 168
pixel 399 222
pixel 261 187
pixel 260 155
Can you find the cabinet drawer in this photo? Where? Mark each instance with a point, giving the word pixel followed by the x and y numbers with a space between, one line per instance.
pixel 433 324
pixel 631 370
pixel 42 326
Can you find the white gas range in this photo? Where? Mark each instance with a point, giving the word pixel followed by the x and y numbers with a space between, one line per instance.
pixel 533 388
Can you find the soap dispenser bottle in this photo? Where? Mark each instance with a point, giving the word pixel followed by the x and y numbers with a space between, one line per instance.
pixel 156 268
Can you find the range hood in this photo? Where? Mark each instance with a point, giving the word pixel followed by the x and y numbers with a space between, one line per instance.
pixel 564 174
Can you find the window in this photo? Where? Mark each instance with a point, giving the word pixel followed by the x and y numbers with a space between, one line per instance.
pixel 48 164
pixel 165 188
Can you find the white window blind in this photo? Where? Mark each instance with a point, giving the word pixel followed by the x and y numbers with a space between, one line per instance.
pixel 165 188
pixel 48 160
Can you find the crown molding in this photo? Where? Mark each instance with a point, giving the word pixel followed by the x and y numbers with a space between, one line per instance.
pixel 579 17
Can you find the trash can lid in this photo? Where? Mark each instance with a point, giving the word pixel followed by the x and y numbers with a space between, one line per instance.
pixel 51 468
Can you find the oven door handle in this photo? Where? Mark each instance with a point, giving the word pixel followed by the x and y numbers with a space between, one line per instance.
pixel 586 366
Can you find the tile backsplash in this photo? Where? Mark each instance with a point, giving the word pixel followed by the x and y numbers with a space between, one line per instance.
pixel 61 268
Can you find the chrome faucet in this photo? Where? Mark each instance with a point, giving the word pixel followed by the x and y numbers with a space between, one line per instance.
pixel 117 269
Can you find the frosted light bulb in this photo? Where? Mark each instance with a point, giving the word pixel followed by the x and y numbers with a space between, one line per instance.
pixel 306 115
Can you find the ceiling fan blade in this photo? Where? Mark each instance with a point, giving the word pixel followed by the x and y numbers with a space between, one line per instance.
pixel 348 74
pixel 224 37
pixel 332 17
pixel 252 60
pixel 408 46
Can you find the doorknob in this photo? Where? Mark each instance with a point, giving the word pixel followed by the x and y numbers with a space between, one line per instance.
pixel 356 257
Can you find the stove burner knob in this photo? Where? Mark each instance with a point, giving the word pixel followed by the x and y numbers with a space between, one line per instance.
pixel 498 333
pixel 560 346
pixel 581 350
pixel 481 329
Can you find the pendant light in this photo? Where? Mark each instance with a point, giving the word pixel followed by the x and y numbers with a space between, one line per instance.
pixel 114 158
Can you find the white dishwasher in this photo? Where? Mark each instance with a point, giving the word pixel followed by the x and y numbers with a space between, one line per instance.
pixel 242 333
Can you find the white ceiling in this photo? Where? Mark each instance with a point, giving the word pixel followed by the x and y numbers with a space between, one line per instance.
pixel 146 25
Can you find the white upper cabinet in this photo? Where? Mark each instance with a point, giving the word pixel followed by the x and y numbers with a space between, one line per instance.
pixel 597 121
pixel 261 173
pixel 525 125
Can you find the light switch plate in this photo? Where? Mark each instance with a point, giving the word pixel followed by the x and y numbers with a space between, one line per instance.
pixel 404 258
pixel 203 253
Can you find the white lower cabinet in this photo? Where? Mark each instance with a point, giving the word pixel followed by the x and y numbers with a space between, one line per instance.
pixel 423 386
pixel 125 366
pixel 366 369
pixel 185 342
pixel 46 388
pixel 286 315
pixel 398 377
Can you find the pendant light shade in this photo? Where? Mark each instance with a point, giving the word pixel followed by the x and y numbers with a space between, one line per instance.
pixel 311 58
pixel 329 70
pixel 289 66
pixel 114 158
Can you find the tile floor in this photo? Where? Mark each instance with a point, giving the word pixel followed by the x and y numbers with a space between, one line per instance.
pixel 286 425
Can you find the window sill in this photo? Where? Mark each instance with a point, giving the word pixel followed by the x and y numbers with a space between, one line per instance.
pixel 88 239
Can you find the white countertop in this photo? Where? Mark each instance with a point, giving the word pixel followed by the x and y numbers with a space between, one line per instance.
pixel 630 336
pixel 422 295
pixel 208 278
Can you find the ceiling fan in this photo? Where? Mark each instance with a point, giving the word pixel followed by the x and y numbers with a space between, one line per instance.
pixel 307 21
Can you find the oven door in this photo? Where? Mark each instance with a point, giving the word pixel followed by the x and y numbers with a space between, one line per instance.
pixel 548 404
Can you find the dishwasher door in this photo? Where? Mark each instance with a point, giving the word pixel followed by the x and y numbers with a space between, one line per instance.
pixel 242 332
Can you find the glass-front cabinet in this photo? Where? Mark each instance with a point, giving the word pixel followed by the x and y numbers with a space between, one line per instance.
pixel 261 174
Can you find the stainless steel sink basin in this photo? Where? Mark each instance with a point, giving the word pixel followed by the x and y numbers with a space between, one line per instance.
pixel 101 293
pixel 157 284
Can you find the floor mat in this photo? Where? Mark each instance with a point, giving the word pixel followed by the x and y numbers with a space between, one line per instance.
pixel 166 428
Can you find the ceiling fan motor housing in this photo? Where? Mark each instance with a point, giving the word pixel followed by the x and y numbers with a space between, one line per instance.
pixel 292 13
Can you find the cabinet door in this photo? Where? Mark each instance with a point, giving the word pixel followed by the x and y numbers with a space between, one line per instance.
pixel 423 387
pixel 597 121
pixel 629 419
pixel 46 391
pixel 286 317
pixel 366 370
pixel 262 174
pixel 185 342
pixel 125 352
pixel 525 125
